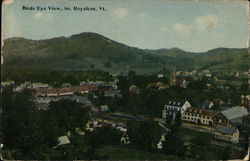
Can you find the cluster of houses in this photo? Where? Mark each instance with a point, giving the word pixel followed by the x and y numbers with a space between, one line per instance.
pixel 44 94
pixel 224 124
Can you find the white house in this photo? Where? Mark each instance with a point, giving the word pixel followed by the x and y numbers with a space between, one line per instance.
pixel 104 108
pixel 125 139
pixel 174 107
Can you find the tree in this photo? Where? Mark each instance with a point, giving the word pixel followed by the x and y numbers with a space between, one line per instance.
pixel 178 119
pixel 144 134
pixel 68 114
pixel 168 120
pixel 23 133
pixel 174 143
pixel 106 135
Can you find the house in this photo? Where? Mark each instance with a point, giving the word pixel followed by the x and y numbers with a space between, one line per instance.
pixel 227 133
pixel 160 75
pixel 199 116
pixel 134 89
pixel 182 81
pixel 63 141
pixel 245 101
pixel 80 100
pixel 90 125
pixel 43 102
pixel 20 87
pixel 162 139
pixel 121 126
pixel 121 129
pixel 174 107
pixel 7 83
pixel 37 85
pixel 217 102
pixel 66 85
pixel 125 139
pixel 234 116
pixel 83 83
pixel 104 108
pixel 205 104
pixel 113 93
pixel 66 91
pixel 113 85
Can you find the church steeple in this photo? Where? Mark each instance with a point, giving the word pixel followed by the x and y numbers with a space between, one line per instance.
pixel 172 77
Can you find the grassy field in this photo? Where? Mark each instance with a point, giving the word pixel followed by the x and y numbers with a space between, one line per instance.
pixel 122 152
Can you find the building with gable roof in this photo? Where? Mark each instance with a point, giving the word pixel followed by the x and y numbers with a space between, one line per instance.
pixel 234 116
pixel 199 116
pixel 227 133
pixel 174 107
pixel 205 104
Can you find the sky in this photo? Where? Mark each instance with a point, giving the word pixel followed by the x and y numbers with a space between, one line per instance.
pixel 195 26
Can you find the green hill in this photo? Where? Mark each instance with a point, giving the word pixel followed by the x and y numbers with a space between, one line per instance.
pixel 93 51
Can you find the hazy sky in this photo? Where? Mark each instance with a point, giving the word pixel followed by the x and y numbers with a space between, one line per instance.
pixel 152 24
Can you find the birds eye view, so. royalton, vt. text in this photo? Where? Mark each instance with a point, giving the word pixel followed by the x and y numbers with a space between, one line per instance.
pixel 125 80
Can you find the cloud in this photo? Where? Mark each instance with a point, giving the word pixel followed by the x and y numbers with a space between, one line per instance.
pixel 38 15
pixel 199 24
pixel 120 13
pixel 7 2
pixel 206 22
pixel 182 29
pixel 141 15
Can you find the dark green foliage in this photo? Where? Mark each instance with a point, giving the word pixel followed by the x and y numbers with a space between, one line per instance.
pixel 68 114
pixel 200 144
pixel 106 135
pixel 145 134
pixel 29 133
pixel 174 143
pixel 23 129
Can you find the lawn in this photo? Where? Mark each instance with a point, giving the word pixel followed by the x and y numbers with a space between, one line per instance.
pixel 119 152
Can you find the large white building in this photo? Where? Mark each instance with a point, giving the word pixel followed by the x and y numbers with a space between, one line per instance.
pixel 174 107
pixel 199 116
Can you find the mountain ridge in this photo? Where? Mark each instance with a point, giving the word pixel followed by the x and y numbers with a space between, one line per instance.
pixel 85 50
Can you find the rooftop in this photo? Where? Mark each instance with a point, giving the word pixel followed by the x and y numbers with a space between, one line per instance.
pixel 235 112
pixel 225 129
pixel 201 111
pixel 177 102
pixel 63 140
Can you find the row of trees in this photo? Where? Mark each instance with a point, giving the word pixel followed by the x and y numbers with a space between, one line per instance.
pixel 28 133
